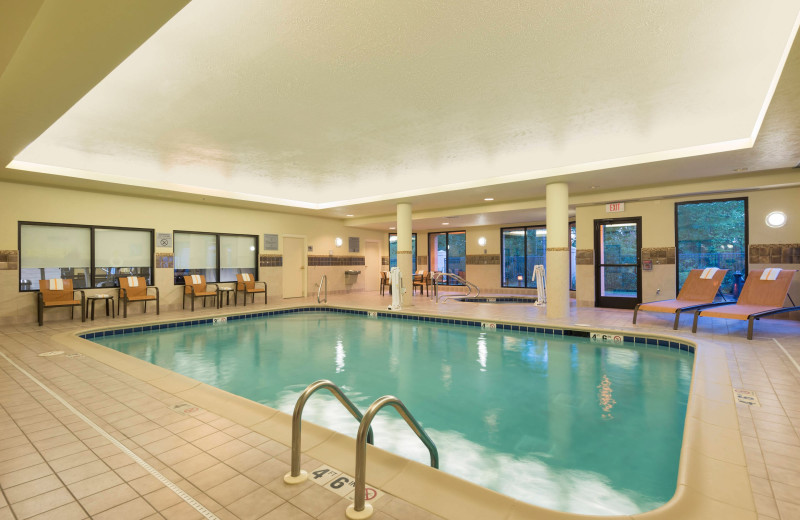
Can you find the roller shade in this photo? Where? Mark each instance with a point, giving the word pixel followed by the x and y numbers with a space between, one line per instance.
pixel 195 251
pixel 54 246
pixel 122 248
pixel 237 252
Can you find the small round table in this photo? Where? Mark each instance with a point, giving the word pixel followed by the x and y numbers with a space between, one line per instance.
pixel 93 299
pixel 227 292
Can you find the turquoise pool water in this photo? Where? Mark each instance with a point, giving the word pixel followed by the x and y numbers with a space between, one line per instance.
pixel 555 421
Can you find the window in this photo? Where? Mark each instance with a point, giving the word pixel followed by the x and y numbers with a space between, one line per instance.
pixel 91 256
pixel 393 251
pixel 523 248
pixel 573 241
pixel 447 253
pixel 218 257
pixel 712 233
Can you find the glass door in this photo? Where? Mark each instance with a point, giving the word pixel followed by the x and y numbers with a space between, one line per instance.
pixel 447 253
pixel 617 269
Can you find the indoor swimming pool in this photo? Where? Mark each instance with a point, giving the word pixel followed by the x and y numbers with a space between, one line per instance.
pixel 553 420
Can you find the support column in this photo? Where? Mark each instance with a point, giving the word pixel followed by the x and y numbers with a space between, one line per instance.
pixel 557 215
pixel 404 261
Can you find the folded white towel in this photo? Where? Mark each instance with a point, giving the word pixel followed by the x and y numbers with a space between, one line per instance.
pixel 771 273
pixel 196 279
pixel 709 273
pixel 245 277
pixel 56 284
pixel 133 281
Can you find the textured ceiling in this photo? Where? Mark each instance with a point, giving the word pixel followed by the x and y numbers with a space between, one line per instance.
pixel 326 104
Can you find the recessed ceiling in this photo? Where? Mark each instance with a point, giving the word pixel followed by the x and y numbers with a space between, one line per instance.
pixel 327 104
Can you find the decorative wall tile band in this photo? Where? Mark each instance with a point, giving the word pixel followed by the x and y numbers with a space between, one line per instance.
pixel 9 260
pixel 165 260
pixel 659 255
pixel 584 257
pixel 404 252
pixel 325 261
pixel 775 253
pixel 384 260
pixel 557 249
pixel 483 259
pixel 270 260
pixel 422 260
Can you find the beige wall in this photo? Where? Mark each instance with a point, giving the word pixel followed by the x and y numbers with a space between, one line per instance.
pixel 47 204
pixel 658 230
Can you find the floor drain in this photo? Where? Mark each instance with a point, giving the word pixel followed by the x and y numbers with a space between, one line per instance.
pixel 51 353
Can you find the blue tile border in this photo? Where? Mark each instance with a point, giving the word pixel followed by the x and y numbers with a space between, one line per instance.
pixel 641 341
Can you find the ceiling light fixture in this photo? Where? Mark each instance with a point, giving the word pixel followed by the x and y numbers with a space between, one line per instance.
pixel 348 215
pixel 489 199
pixel 392 227
pixel 776 219
pixel 445 223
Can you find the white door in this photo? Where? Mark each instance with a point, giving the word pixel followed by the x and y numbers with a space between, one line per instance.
pixel 294 268
pixel 372 269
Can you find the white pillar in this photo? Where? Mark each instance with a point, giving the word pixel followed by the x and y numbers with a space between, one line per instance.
pixel 404 261
pixel 557 200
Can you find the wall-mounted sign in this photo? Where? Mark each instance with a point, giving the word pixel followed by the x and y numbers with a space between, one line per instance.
pixel 615 207
pixel 354 244
pixel 163 239
pixel 270 242
pixel 647 265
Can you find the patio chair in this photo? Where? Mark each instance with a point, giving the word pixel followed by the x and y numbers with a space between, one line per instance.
pixel 698 291
pixel 763 294
pixel 196 287
pixel 247 284
pixel 59 293
pixel 385 282
pixel 134 289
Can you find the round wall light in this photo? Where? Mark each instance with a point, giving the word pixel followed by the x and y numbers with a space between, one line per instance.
pixel 482 241
pixel 776 219
pixel 338 242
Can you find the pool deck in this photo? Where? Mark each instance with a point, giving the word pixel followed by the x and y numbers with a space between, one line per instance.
pixel 229 455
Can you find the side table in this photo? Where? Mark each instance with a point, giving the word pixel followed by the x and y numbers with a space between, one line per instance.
pixel 227 292
pixel 93 299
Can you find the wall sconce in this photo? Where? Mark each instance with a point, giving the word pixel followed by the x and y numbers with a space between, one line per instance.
pixel 776 219
pixel 482 241
pixel 338 242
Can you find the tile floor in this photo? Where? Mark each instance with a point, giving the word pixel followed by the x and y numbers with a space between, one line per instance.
pixel 53 464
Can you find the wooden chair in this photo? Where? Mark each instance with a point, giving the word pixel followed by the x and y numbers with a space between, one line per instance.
pixel 419 281
pixel 763 294
pixel 697 292
pixel 196 287
pixel 59 293
pixel 134 289
pixel 385 282
pixel 245 283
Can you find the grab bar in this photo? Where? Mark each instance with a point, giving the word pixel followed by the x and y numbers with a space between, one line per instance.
pixel 469 285
pixel 297 475
pixel 322 282
pixel 359 509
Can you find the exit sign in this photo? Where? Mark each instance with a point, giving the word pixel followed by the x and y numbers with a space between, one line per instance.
pixel 615 207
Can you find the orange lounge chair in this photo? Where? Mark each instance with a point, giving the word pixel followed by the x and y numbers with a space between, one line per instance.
pixel 696 292
pixel 385 282
pixel 196 287
pixel 134 289
pixel 246 283
pixel 763 294
pixel 59 293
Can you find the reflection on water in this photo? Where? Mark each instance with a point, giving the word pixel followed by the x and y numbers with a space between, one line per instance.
pixel 557 422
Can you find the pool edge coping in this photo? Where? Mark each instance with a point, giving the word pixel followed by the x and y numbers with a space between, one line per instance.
pixel 696 495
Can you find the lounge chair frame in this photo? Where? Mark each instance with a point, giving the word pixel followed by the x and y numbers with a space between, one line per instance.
pixel 191 291
pixel 123 297
pixel 247 290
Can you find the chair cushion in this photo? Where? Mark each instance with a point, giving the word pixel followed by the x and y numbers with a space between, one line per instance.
pixel 142 298
pixel 62 303
pixel 205 293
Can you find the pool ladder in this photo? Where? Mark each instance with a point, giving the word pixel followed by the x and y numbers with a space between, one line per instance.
pixel 323 282
pixel 469 285
pixel 359 509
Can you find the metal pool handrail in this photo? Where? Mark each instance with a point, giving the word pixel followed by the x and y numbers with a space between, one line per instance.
pixel 323 281
pixel 467 283
pixel 296 475
pixel 359 509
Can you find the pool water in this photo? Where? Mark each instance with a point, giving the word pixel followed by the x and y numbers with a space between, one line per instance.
pixel 554 421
